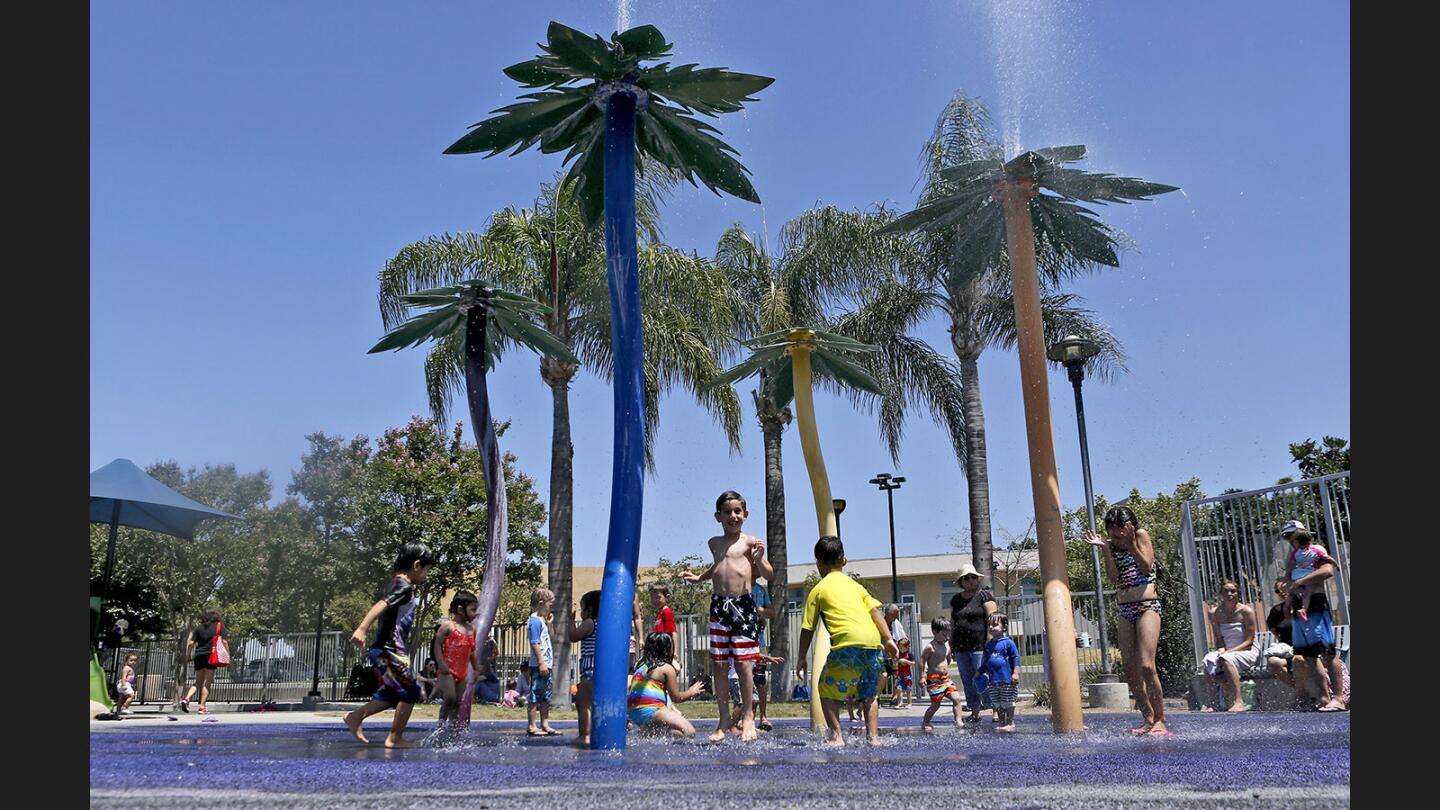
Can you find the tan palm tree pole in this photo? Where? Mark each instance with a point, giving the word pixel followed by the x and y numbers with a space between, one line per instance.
pixel 1015 196
pixel 819 488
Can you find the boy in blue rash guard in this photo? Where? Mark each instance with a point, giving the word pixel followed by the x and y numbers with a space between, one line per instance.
pixel 1001 670
pixel 389 656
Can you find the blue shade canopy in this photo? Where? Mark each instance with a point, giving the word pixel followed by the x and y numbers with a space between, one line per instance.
pixel 144 502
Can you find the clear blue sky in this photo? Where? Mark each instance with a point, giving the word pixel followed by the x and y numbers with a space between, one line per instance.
pixel 253 166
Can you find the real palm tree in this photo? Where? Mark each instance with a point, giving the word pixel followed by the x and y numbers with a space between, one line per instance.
pixel 832 270
pixel 794 357
pixel 623 109
pixel 483 321
pixel 548 252
pixel 994 202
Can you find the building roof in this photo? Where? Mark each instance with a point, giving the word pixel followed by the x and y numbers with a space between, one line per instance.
pixel 915 566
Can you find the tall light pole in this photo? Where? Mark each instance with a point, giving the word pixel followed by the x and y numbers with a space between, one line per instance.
pixel 1073 351
pixel 888 485
pixel 839 506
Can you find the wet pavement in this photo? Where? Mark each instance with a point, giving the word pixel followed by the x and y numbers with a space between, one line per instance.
pixel 1249 760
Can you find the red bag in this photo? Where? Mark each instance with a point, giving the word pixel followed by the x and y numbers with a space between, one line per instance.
pixel 219 653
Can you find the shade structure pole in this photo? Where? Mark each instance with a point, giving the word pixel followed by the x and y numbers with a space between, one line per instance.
pixel 109 568
pixel 1015 196
pixel 622 552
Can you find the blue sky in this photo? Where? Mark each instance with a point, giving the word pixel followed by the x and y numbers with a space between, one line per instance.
pixel 253 166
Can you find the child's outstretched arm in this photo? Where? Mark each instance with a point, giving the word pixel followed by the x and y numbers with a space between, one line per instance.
pixel 578 632
pixel 437 647
pixel 671 677
pixel 805 637
pixel 891 650
pixel 370 616
pixel 700 577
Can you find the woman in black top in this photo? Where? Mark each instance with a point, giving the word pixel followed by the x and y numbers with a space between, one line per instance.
pixel 202 641
pixel 970 611
pixel 1278 655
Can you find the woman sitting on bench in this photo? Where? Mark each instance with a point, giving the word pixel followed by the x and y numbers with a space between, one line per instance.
pixel 1234 625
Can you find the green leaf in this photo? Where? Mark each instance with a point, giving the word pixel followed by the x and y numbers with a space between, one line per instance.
pixel 836 367
pixel 533 337
pixel 703 153
pixel 589 56
pixel 976 247
pixel 643 42
pixel 973 170
pixel 1073 230
pixel 588 176
pixel 782 383
pixel 842 343
pixel 541 71
pixel 710 90
pixel 579 125
pixel 421 328
pixel 943 212
pixel 1062 154
pixel 421 300
pixel 750 366
pixel 521 123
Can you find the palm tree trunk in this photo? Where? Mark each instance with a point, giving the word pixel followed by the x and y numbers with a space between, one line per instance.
pixel 497 528
pixel 968 344
pixel 772 425
pixel 627 487
pixel 561 551
pixel 824 507
pixel 977 470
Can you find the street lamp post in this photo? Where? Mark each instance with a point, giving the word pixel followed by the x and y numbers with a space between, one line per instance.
pixel 1073 351
pixel 839 505
pixel 888 485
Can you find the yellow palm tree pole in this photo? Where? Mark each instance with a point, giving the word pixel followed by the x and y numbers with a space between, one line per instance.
pixel 819 488
pixel 1015 196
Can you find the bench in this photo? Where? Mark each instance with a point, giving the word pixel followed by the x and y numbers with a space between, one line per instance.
pixel 1270 693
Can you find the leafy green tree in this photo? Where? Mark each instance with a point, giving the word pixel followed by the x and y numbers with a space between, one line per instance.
pixel 1330 455
pixel 686 598
pixel 331 486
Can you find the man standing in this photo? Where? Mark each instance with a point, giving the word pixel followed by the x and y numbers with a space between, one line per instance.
pixel 897 632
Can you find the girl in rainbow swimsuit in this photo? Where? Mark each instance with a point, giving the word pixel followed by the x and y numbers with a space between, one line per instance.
pixel 653 680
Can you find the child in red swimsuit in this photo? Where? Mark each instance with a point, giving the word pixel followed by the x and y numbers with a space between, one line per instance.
pixel 453 648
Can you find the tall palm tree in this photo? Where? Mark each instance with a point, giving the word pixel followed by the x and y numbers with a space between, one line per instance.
pixel 794 357
pixel 549 253
pixel 998 202
pixel 832 271
pixel 971 284
pixel 483 321
pixel 624 109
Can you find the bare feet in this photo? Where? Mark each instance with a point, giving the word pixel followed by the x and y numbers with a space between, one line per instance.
pixel 1007 727
pixel 1144 728
pixel 926 728
pixel 1333 706
pixel 353 720
pixel 718 736
pixel 1238 706
pixel 834 741
pixel 748 732
pixel 398 742
pixel 1207 709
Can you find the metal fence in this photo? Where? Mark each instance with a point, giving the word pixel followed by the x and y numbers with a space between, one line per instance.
pixel 1237 537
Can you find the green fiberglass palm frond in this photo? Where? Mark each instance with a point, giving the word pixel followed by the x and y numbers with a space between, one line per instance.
pixel 574 78
pixel 507 321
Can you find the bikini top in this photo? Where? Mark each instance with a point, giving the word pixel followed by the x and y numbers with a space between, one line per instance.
pixel 1130 576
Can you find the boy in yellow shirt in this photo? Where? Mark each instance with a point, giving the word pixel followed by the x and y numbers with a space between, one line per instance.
pixel 858 634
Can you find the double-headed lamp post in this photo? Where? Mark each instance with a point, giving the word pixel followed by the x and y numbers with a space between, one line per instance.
pixel 888 485
pixel 1073 351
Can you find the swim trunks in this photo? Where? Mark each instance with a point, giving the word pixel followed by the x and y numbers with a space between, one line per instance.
pixel 852 672
pixel 734 628
pixel 939 686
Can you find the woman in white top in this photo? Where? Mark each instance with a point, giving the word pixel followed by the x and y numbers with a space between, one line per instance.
pixel 1234 625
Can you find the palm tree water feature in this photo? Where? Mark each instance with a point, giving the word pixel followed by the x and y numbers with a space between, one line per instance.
pixel 485 321
pixel 1001 200
pixel 624 108
pixel 794 357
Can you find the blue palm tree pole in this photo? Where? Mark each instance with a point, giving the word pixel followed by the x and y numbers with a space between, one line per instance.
pixel 622 554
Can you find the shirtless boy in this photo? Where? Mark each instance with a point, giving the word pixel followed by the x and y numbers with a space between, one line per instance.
pixel 734 619
pixel 937 675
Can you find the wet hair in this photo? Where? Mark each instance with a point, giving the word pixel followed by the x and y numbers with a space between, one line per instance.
pixel 1000 619
pixel 462 600
pixel 210 616
pixel 939 624
pixel 1301 536
pixel 659 587
pixel 411 554
pixel 730 495
pixel 590 605
pixel 1120 515
pixel 829 550
pixel 541 594
pixel 659 649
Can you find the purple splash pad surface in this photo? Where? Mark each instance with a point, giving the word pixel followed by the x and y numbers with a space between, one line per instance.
pixel 1208 752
